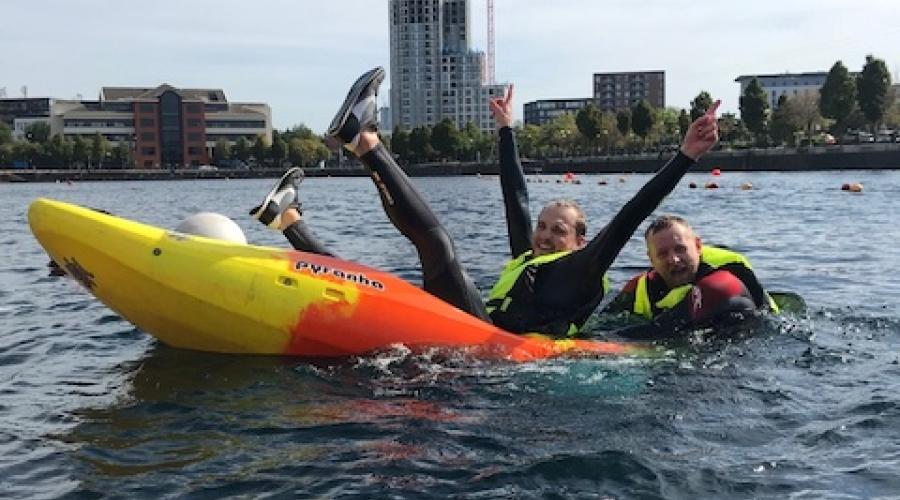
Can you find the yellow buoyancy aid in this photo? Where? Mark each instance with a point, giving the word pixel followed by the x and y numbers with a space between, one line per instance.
pixel 713 257
pixel 503 294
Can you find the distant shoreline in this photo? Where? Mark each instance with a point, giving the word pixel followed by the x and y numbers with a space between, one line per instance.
pixel 845 157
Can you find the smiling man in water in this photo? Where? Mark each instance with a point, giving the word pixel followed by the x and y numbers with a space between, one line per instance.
pixel 690 285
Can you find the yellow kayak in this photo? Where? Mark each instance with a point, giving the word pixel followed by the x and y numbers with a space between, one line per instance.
pixel 210 295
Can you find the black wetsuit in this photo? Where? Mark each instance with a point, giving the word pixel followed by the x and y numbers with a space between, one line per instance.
pixel 442 274
pixel 568 289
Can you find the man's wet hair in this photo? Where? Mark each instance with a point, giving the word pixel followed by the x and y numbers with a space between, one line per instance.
pixel 664 222
pixel 580 219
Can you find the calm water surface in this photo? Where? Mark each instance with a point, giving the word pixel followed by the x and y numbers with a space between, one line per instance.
pixel 806 407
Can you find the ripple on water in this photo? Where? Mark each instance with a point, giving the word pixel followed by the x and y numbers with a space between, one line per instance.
pixel 807 409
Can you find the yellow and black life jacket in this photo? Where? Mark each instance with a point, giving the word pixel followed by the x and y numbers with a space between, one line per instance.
pixel 711 259
pixel 511 301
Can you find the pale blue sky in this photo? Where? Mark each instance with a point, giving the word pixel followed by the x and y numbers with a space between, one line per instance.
pixel 300 56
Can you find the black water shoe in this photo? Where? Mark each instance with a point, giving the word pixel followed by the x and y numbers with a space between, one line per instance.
pixel 358 112
pixel 280 198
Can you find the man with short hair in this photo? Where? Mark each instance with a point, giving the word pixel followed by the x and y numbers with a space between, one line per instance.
pixel 689 285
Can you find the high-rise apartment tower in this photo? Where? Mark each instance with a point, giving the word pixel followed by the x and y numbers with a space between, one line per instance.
pixel 435 74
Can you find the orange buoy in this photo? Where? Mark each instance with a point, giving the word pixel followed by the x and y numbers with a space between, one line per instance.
pixel 716 171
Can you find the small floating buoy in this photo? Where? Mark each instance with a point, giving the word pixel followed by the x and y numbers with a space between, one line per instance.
pixel 711 185
pixel 746 186
pixel 576 181
pixel 716 171
pixel 621 179
pixel 853 187
pixel 692 185
pixel 601 182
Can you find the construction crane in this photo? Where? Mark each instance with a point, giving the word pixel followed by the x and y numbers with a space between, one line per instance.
pixel 489 75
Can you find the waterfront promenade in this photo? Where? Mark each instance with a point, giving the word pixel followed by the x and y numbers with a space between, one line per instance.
pixel 835 157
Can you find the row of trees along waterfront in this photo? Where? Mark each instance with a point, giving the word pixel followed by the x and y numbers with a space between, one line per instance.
pixel 298 146
pixel 844 101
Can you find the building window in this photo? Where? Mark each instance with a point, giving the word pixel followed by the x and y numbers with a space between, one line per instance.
pixel 147 108
pixel 148 151
pixel 148 136
pixel 194 151
pixel 147 122
pixel 193 137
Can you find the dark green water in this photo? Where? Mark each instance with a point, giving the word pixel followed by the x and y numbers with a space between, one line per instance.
pixel 803 408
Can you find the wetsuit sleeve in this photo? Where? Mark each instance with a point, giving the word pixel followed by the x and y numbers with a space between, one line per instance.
pixel 595 259
pixel 515 194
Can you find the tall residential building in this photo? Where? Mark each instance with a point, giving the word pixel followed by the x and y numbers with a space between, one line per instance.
pixel 617 91
pixel 435 74
pixel 789 84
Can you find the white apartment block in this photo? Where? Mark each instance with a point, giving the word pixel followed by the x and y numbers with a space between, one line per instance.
pixel 435 74
pixel 789 84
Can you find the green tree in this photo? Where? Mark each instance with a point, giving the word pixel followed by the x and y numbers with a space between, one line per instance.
pixel 529 140
pixel 279 150
pixel 80 151
pixel 121 155
pixel 5 134
pixel 699 105
pixel 873 90
pixel 60 151
pixel 38 132
pixel 400 144
pixel 469 139
pixel 486 147
pixel 753 106
pixel 666 129
pixel 307 152
pixel 299 131
pixel 804 110
pixel 6 154
pixel 221 151
pixel 560 135
pixel 589 121
pixel 420 144
pixel 260 150
pixel 684 121
pixel 99 147
pixel 623 122
pixel 642 119
pixel 26 151
pixel 782 126
pixel 445 138
pixel 838 95
pixel 241 149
